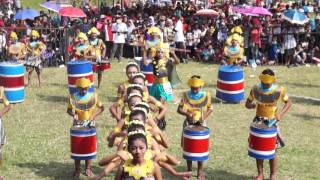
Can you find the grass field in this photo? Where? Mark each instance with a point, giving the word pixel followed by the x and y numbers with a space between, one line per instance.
pixel 38 130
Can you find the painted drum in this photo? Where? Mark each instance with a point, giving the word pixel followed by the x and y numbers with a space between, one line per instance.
pixel 77 70
pixel 262 141
pixel 83 143
pixel 196 143
pixel 12 79
pixel 147 70
pixel 230 84
pixel 101 66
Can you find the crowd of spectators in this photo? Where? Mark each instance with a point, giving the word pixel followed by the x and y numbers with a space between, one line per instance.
pixel 267 39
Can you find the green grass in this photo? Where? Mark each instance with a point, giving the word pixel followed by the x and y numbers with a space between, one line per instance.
pixel 37 144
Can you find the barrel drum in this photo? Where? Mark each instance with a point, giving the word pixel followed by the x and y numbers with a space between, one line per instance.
pixel 230 84
pixel 77 70
pixel 12 79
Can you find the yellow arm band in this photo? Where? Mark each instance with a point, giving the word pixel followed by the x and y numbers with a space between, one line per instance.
pixel 158 104
pixel 116 130
pixel 158 138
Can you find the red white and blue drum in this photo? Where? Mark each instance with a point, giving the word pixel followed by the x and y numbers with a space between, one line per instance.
pixel 77 70
pixel 12 79
pixel 230 84
pixel 262 141
pixel 147 70
pixel 100 66
pixel 83 142
pixel 196 143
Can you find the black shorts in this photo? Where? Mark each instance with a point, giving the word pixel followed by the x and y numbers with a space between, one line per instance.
pixel 289 52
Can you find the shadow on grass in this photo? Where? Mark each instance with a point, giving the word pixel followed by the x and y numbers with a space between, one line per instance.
pixel 56 170
pixel 58 84
pixel 211 174
pixel 216 100
pixel 307 116
pixel 304 101
pixel 111 98
pixel 50 98
pixel 303 85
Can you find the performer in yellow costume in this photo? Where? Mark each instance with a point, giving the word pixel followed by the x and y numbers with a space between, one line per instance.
pixel 3 111
pixel 196 106
pixel 233 51
pixel 84 107
pixel 16 50
pixel 267 95
pixel 98 51
pixel 238 31
pixel 81 49
pixel 35 48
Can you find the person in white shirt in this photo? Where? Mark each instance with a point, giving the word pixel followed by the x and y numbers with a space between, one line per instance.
pixel 289 44
pixel 119 30
pixel 3 43
pixel 179 39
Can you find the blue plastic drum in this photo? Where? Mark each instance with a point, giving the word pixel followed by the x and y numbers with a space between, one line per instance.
pixel 77 70
pixel 12 79
pixel 230 84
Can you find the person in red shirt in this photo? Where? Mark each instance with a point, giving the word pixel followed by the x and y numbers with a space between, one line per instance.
pixel 255 40
pixel 108 35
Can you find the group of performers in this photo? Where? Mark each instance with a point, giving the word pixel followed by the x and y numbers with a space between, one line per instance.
pixel 30 54
pixel 92 49
pixel 139 111
pixel 141 147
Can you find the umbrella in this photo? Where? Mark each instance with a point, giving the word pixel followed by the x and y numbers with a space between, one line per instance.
pixel 252 11
pixel 206 12
pixel 72 12
pixel 53 6
pixel 27 14
pixel 295 17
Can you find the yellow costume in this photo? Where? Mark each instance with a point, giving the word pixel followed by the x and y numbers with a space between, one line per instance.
pixel 233 49
pixel 196 104
pixel 96 44
pixel 83 106
pixel 138 172
pixel 16 50
pixel 3 98
pixel 35 48
pixel 267 99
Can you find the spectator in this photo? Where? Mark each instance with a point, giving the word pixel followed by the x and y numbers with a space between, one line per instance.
pixel 119 30
pixel 179 39
pixel 289 44
pixel 300 56
pixel 3 43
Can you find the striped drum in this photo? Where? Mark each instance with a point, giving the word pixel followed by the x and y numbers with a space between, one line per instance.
pixel 83 142
pixel 196 143
pixel 76 70
pixel 230 84
pixel 12 79
pixel 262 142
pixel 147 70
